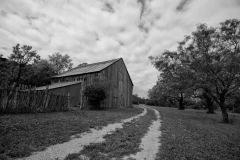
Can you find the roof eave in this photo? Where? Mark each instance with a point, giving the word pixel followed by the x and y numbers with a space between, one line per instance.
pixel 87 72
pixel 75 74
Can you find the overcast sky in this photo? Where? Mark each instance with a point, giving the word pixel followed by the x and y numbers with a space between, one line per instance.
pixel 98 30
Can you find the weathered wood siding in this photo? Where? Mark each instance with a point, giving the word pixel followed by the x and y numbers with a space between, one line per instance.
pixel 120 89
pixel 73 90
pixel 118 79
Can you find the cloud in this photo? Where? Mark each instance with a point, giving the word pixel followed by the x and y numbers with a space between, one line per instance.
pixel 92 31
pixel 142 2
pixel 108 7
pixel 182 5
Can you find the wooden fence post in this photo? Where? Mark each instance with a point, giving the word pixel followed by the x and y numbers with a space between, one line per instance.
pixel 10 94
pixel 16 98
pixel 3 96
pixel 45 97
pixel 68 98
pixel 29 97
pixel 34 101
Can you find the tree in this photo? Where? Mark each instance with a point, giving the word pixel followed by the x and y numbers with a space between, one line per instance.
pixel 135 99
pixel 207 100
pixel 235 99
pixel 153 93
pixel 213 55
pixel 14 67
pixel 39 73
pixel 82 64
pixel 156 97
pixel 174 79
pixel 3 78
pixel 138 100
pixel 61 62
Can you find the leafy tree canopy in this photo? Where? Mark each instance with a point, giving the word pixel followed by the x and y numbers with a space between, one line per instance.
pixel 207 60
pixel 60 62
pixel 14 67
pixel 82 64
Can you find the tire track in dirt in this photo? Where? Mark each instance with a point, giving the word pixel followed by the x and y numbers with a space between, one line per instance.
pixel 75 145
pixel 150 142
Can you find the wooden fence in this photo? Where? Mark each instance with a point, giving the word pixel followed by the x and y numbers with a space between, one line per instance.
pixel 24 99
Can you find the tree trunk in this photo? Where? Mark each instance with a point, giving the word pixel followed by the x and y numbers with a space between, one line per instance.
pixel 224 110
pixel 210 109
pixel 209 103
pixel 181 105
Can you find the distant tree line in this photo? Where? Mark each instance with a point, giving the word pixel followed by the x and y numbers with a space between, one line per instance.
pixel 204 72
pixel 139 100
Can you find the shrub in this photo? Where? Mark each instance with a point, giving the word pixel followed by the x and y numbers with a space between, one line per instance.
pixel 236 109
pixel 95 94
pixel 134 102
pixel 151 103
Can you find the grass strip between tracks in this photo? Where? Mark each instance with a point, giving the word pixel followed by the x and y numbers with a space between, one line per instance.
pixel 122 142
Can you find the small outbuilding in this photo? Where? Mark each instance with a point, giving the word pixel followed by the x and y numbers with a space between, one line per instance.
pixel 114 72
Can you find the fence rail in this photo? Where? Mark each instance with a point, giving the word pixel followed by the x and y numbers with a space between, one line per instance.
pixel 28 100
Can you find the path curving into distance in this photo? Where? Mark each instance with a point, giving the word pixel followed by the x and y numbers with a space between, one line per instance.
pixel 75 145
pixel 150 143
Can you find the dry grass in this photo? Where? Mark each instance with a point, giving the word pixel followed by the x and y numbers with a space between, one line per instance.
pixel 25 133
pixel 193 134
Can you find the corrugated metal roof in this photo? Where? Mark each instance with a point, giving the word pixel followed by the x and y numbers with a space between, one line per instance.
pixel 58 85
pixel 89 68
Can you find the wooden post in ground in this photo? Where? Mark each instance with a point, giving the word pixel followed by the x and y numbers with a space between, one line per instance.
pixel 4 96
pixel 16 98
pixel 34 97
pixel 68 106
pixel 81 95
pixel 47 101
pixel 45 98
pixel 10 94
pixel 29 97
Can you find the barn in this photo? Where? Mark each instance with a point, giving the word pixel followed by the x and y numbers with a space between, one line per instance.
pixel 114 72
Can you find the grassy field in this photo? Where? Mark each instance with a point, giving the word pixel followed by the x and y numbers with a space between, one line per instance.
pixel 22 134
pixel 194 134
pixel 186 134
pixel 123 142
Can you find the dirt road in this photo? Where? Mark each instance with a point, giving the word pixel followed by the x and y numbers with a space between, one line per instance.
pixel 149 143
